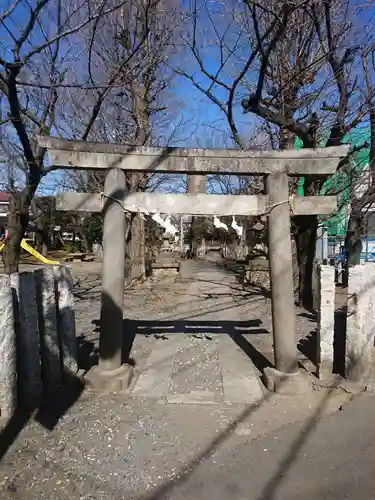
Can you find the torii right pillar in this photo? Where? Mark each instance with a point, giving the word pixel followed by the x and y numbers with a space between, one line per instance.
pixel 285 378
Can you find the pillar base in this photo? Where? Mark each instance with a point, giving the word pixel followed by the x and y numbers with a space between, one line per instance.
pixel 6 415
pixel 295 383
pixel 108 381
pixel 324 370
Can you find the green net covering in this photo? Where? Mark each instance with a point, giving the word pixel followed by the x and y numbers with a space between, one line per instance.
pixel 338 184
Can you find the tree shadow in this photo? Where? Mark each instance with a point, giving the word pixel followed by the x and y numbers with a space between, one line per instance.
pixel 87 288
pixel 310 315
pixel 238 269
pixel 259 290
pixel 308 346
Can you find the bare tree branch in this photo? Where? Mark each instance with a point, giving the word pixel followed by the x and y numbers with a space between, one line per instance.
pixel 8 12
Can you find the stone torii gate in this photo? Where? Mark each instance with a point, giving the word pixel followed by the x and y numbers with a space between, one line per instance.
pixel 111 373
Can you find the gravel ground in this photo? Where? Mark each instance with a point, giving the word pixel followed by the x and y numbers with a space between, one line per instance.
pixel 117 448
pixel 120 447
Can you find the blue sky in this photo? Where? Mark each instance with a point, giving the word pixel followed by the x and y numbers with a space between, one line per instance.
pixel 204 124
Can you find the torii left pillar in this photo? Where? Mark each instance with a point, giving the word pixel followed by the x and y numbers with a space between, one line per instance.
pixel 111 374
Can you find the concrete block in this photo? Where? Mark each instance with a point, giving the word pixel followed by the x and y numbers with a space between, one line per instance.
pixel 360 330
pixel 326 315
pixel 8 361
pixel 30 386
pixel 50 349
pixel 66 325
pixel 111 381
pixel 295 383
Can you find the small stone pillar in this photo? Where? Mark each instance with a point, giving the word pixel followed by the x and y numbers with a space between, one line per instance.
pixel 27 333
pixel 360 323
pixel 50 349
pixel 326 316
pixel 8 362
pixel 66 325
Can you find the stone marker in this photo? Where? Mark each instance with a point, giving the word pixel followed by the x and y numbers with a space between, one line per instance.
pixel 8 362
pixel 46 301
pixel 360 326
pixel 66 325
pixel 326 316
pixel 27 334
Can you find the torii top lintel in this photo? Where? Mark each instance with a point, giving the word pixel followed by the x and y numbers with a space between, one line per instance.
pixel 70 154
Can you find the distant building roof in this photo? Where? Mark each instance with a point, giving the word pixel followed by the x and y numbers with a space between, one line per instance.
pixel 4 197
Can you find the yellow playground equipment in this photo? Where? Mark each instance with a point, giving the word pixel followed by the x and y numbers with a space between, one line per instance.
pixel 33 252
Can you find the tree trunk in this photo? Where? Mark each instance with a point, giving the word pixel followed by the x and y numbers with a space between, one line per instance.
pixel 38 240
pixel 307 227
pixel 45 242
pixel 201 248
pixel 18 218
pixel 45 249
pixel 86 242
pixel 305 237
pixel 353 242
pixel 137 269
pixel 196 184
pixel 241 246
pixel 295 268
pixel 306 242
pixel 138 182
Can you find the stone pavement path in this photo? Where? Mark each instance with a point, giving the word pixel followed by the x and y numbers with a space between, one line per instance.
pixel 203 315
pixel 198 360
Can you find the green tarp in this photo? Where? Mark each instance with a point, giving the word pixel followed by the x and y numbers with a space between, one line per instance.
pixel 338 183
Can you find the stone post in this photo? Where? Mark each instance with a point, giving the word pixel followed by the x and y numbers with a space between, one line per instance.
pixel 326 317
pixel 285 378
pixel 110 374
pixel 360 323
pixel 8 362
pixel 50 349
pixel 30 385
pixel 66 325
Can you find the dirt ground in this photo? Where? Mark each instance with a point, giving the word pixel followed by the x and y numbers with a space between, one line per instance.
pixel 198 344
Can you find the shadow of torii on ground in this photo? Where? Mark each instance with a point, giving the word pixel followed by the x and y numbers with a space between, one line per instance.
pixel 162 329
